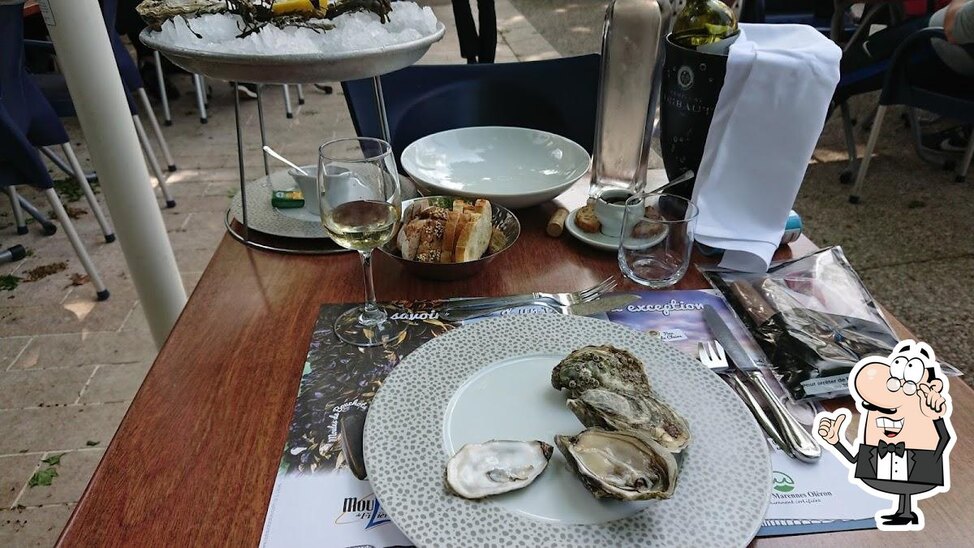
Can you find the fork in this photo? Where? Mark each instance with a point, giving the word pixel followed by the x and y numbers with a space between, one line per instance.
pixel 557 299
pixel 712 355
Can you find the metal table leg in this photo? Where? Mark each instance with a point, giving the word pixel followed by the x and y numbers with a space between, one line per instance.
pixel 260 121
pixel 240 163
pixel 380 105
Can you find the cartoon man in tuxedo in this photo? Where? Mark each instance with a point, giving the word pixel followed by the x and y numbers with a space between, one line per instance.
pixel 905 434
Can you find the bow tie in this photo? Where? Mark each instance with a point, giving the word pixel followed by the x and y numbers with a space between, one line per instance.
pixel 887 448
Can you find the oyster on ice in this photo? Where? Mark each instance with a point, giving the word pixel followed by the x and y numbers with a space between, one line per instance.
pixel 620 465
pixel 480 470
pixel 624 410
pixel 600 367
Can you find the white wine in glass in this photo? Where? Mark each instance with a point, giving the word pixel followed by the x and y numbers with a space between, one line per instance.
pixel 361 204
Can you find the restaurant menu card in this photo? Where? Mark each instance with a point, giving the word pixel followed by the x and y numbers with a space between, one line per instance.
pixel 322 496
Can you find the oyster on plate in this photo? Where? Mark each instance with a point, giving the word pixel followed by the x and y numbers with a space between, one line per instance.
pixel 600 367
pixel 480 470
pixel 624 410
pixel 620 465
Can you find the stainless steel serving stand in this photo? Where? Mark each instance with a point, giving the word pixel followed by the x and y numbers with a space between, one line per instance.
pixel 282 69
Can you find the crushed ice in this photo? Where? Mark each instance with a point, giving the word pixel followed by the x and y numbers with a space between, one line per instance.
pixel 353 31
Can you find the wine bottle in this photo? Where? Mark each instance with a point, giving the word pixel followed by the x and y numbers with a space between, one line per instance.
pixel 703 22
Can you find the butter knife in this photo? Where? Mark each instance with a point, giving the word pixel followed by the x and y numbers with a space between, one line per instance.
pixel 595 306
pixel 801 443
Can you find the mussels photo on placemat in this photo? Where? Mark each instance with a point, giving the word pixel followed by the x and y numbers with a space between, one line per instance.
pixel 337 386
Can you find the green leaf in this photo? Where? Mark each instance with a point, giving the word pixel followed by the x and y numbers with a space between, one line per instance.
pixel 9 282
pixel 43 477
pixel 53 460
pixel 90 443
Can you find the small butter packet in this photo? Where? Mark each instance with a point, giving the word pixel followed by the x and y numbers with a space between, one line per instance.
pixel 287 199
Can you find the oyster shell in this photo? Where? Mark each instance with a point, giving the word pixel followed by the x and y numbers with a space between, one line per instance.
pixel 600 367
pixel 620 465
pixel 480 470
pixel 625 410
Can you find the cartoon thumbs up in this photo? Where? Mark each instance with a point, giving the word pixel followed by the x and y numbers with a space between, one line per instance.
pixel 829 427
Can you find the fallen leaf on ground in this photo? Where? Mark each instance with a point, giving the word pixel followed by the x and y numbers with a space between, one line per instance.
pixel 53 460
pixel 9 282
pixel 44 271
pixel 79 279
pixel 43 477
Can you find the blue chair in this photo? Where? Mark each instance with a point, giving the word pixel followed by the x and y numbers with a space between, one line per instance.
pixel 799 12
pixel 859 80
pixel 931 86
pixel 34 116
pixel 559 96
pixel 55 90
pixel 22 118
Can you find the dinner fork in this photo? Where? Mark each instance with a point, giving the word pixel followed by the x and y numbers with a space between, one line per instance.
pixel 712 355
pixel 556 299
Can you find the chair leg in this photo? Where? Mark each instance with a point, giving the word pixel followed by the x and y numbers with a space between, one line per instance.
pixel 47 226
pixel 870 147
pixel 63 165
pixel 287 103
pixel 200 94
pixel 924 153
pixel 79 248
pixel 300 95
pixel 154 124
pixel 79 174
pixel 961 174
pixel 850 143
pixel 163 96
pixel 18 211
pixel 153 162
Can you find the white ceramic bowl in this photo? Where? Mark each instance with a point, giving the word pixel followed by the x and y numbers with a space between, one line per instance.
pixel 511 166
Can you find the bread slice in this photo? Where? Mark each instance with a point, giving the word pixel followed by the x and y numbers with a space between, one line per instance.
pixel 431 241
pixel 408 238
pixel 450 232
pixel 474 237
pixel 586 220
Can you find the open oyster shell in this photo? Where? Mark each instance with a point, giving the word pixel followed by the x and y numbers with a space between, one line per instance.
pixel 480 470
pixel 620 465
pixel 625 410
pixel 600 367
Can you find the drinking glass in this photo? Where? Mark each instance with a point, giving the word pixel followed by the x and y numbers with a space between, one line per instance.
pixel 361 204
pixel 656 252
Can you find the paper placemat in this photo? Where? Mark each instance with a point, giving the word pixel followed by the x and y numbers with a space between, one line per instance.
pixel 318 500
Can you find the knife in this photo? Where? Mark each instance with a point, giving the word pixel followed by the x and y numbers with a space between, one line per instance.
pixel 801 443
pixel 595 306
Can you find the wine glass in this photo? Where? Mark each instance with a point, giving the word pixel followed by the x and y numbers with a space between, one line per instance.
pixel 361 204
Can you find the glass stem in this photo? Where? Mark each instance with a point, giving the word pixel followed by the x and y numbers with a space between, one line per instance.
pixel 370 308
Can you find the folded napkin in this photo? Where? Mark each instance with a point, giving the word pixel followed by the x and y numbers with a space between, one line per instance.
pixel 769 115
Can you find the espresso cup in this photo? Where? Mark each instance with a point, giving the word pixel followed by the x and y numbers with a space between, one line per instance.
pixel 610 208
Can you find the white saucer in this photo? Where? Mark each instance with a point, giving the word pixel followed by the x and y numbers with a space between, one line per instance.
pixel 599 240
pixel 300 214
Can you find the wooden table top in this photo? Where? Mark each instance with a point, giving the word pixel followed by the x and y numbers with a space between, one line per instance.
pixel 194 460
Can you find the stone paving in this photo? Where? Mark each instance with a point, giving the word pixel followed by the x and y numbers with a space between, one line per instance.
pixel 70 366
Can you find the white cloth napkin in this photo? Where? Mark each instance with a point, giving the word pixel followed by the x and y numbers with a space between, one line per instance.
pixel 770 113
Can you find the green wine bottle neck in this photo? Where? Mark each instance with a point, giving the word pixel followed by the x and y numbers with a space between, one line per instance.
pixel 703 22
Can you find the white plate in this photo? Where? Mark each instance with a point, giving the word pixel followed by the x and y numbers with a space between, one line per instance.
pixel 491 380
pixel 514 167
pixel 599 240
